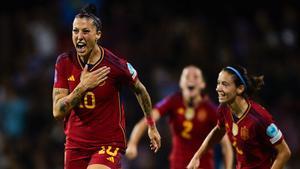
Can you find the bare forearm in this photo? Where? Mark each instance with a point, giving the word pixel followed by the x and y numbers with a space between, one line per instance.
pixel 227 152
pixel 143 98
pixel 145 103
pixel 137 132
pixel 282 157
pixel 65 104
pixel 212 138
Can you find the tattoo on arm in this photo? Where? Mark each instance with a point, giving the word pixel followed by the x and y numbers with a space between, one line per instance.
pixel 67 104
pixel 143 98
pixel 64 102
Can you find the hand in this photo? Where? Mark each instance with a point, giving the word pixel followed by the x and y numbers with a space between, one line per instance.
pixel 131 151
pixel 92 79
pixel 154 136
pixel 194 163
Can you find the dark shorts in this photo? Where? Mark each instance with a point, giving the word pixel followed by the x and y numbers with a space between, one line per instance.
pixel 109 156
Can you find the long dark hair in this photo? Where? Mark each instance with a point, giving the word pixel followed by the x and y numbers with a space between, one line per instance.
pixel 252 84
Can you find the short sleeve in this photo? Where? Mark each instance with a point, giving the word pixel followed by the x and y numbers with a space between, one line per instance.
pixel 270 131
pixel 164 105
pixel 220 117
pixel 129 73
pixel 60 79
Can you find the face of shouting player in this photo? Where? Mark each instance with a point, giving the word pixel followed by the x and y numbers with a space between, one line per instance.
pixel 226 88
pixel 191 82
pixel 84 36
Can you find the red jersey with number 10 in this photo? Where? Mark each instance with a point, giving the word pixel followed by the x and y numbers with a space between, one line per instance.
pixel 99 118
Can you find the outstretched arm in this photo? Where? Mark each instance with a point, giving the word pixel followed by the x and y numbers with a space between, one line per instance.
pixel 145 102
pixel 283 154
pixel 137 133
pixel 227 152
pixel 215 135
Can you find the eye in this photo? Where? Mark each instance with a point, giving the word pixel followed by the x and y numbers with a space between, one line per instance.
pixel 85 31
pixel 75 30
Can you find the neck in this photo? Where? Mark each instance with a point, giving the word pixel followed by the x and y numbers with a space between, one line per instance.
pixel 193 101
pixel 93 56
pixel 239 106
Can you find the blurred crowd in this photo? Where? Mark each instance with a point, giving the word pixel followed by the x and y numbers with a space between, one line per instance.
pixel 158 38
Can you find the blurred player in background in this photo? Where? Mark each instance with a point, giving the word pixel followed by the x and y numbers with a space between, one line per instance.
pixel 191 117
pixel 86 95
pixel 257 141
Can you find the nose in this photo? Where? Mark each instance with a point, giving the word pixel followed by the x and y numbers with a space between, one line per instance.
pixel 218 87
pixel 80 35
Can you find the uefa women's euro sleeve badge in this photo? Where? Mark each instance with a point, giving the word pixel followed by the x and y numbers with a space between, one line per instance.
pixel 274 133
pixel 132 71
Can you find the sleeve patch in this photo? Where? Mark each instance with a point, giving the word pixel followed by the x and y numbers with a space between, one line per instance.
pixel 132 71
pixel 273 132
pixel 55 75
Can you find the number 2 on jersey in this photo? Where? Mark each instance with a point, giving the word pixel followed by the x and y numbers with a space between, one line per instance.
pixel 187 128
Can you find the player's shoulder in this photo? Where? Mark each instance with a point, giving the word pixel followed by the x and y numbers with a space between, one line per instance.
pixel 65 56
pixel 113 56
pixel 177 95
pixel 222 108
pixel 260 111
pixel 172 97
pixel 208 101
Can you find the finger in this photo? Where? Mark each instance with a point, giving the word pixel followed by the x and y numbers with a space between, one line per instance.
pixel 102 73
pixel 154 145
pixel 85 67
pixel 101 69
pixel 101 79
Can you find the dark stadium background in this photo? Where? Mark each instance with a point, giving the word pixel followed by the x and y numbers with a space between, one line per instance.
pixel 158 38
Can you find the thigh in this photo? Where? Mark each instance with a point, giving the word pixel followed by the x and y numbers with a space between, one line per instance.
pixel 109 156
pixel 76 159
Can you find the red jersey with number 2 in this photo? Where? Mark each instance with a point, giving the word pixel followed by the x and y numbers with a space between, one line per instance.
pixel 188 132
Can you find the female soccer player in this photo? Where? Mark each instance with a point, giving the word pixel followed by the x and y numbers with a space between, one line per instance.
pixel 191 117
pixel 86 94
pixel 257 141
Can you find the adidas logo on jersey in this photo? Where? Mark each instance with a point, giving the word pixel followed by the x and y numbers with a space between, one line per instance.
pixel 71 78
pixel 111 159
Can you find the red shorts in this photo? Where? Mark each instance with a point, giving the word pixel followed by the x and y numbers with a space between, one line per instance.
pixel 109 156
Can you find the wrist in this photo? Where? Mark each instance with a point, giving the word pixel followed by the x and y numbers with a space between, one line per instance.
pixel 150 122
pixel 82 87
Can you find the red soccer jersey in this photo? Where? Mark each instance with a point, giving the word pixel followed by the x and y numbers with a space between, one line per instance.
pixel 253 136
pixel 99 118
pixel 188 132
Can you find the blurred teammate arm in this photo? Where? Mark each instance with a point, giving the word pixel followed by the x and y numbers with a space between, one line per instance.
pixel 137 133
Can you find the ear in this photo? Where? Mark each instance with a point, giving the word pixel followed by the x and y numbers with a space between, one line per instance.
pixel 202 85
pixel 98 35
pixel 240 89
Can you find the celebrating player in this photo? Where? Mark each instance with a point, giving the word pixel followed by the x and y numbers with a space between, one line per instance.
pixel 191 117
pixel 257 141
pixel 86 94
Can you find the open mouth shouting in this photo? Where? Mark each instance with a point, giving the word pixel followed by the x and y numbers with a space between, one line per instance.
pixel 191 87
pixel 81 47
